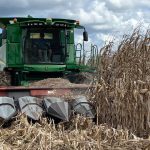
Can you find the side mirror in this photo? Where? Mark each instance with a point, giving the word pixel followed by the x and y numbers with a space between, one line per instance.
pixel 85 36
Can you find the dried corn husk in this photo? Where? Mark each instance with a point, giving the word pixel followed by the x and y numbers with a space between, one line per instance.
pixel 126 74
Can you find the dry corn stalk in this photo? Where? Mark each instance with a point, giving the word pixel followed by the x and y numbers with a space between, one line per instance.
pixel 123 78
pixel 81 133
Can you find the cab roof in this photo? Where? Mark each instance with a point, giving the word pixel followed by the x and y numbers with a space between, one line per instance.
pixel 6 20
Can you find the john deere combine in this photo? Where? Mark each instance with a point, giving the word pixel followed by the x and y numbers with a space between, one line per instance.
pixel 34 49
pixel 38 48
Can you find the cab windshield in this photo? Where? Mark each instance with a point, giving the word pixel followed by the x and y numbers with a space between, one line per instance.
pixel 44 46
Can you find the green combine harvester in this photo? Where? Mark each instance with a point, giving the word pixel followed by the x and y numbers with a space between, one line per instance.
pixel 33 49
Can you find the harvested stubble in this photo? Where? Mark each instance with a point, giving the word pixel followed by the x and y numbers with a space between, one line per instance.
pixel 123 84
pixel 81 134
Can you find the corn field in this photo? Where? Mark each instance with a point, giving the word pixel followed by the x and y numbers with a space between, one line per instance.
pixel 122 98
pixel 122 91
pixel 80 133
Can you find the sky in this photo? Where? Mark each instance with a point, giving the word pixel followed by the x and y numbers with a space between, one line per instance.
pixel 103 19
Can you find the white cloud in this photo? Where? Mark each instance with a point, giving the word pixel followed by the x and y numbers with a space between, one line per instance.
pixel 103 18
pixel 122 3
